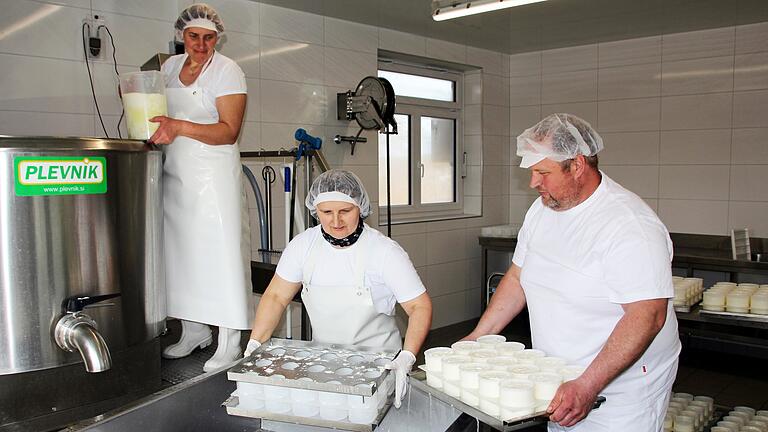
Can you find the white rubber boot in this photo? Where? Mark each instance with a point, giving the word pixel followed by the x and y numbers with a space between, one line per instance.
pixel 228 351
pixel 193 335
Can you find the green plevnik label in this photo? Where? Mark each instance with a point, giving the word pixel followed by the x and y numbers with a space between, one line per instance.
pixel 59 175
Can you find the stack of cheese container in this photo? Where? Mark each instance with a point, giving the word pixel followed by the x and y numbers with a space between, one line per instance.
pixel 688 413
pixel 736 298
pixel 688 291
pixel 743 419
pixel 500 378
pixel 309 383
pixel 307 403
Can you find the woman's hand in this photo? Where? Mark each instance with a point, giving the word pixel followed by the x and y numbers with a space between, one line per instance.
pixel 401 366
pixel 231 109
pixel 167 131
pixel 253 345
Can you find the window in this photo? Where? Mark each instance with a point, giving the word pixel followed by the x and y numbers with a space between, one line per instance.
pixel 426 155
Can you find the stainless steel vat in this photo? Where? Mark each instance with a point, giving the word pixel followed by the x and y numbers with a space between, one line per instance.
pixel 54 247
pixel 81 251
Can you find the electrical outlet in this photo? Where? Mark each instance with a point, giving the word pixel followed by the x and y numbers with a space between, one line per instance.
pixel 95 39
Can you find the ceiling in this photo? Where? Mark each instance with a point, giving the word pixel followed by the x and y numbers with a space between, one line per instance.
pixel 546 25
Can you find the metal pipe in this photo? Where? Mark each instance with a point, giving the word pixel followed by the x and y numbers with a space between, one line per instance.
pixel 76 332
pixel 268 153
pixel 322 162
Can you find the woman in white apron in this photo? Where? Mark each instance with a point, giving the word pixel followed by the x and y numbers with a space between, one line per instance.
pixel 350 277
pixel 207 239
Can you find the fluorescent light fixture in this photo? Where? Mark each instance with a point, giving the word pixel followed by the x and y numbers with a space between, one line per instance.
pixel 454 9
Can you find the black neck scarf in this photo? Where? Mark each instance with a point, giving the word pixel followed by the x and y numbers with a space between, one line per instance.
pixel 346 241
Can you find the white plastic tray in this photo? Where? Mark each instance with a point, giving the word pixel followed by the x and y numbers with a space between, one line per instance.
pixel 418 380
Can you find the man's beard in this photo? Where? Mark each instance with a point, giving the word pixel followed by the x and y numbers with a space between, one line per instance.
pixel 568 201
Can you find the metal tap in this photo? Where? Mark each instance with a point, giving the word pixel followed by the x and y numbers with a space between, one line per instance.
pixel 76 332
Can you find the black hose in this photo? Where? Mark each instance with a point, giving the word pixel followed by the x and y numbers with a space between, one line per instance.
pixel 114 61
pixel 260 209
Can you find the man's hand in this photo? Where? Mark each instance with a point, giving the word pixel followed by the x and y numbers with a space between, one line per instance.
pixel 641 322
pixel 572 402
pixel 401 365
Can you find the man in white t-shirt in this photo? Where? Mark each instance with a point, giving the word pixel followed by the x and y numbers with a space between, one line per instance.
pixel 593 265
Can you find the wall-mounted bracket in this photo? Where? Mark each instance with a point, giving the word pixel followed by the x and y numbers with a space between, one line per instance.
pixel 338 139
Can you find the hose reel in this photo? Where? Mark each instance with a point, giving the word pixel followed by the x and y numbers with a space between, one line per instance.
pixel 371 105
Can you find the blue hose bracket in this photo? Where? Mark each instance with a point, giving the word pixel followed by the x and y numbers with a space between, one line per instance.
pixel 306 142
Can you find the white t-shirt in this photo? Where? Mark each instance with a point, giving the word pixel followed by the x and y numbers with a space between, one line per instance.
pixel 221 77
pixel 580 265
pixel 389 272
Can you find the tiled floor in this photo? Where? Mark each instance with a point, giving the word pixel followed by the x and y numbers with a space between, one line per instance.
pixel 178 370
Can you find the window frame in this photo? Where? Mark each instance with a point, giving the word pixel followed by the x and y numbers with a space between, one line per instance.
pixel 416 108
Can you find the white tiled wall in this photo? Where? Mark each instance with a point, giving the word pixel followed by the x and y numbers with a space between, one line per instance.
pixel 682 117
pixel 295 63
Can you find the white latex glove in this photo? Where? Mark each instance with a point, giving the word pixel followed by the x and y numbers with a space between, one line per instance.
pixel 401 365
pixel 252 346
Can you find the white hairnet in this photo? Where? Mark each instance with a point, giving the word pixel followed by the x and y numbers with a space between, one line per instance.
pixel 338 185
pixel 557 137
pixel 199 15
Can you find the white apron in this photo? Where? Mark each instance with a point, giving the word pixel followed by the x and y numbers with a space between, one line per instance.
pixel 345 314
pixel 645 416
pixel 207 236
pixel 560 302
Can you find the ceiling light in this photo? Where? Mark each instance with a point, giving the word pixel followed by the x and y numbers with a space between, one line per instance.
pixel 444 10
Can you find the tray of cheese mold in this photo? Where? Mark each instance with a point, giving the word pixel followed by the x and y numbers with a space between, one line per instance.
pixel 326 368
pixel 329 367
pixel 735 316
pixel 418 380
pixel 685 308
